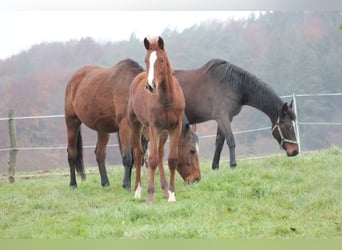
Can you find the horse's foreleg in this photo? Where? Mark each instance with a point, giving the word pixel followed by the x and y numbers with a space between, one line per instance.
pixel 163 182
pixel 100 151
pixel 137 159
pixel 218 149
pixel 173 160
pixel 137 155
pixel 153 161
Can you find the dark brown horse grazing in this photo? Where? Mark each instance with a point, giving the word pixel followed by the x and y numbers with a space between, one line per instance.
pixel 188 160
pixel 98 97
pixel 157 102
pixel 218 90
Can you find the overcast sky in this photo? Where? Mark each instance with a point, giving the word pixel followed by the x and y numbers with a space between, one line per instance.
pixel 22 29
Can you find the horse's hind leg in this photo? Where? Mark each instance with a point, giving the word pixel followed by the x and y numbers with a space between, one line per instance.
pixel 144 144
pixel 228 134
pixel 218 149
pixel 74 149
pixel 173 161
pixel 100 151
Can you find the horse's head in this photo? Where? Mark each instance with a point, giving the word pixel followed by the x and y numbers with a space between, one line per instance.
pixel 157 63
pixel 188 158
pixel 283 130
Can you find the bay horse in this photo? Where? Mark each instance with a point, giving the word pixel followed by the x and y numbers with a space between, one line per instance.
pixel 157 102
pixel 218 90
pixel 98 97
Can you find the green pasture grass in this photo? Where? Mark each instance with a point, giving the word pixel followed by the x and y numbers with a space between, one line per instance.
pixel 272 198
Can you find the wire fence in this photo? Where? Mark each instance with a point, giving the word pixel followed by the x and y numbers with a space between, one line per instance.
pixel 300 124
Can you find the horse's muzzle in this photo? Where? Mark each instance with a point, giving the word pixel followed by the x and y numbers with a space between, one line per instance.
pixel 152 89
pixel 293 153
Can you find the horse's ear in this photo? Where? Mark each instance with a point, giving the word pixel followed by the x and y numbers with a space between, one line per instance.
pixel 185 125
pixel 161 43
pixel 146 43
pixel 291 104
pixel 284 109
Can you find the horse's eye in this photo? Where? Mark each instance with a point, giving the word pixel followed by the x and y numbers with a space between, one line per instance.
pixel 161 60
pixel 192 151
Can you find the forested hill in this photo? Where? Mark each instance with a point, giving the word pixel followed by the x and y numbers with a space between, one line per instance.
pixel 297 52
pixel 292 51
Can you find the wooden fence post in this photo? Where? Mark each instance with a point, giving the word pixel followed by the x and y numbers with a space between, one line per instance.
pixel 14 149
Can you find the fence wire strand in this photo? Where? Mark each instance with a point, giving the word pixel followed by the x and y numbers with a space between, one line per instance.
pixel 63 147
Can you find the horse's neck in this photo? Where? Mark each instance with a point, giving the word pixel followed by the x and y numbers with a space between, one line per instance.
pixel 167 88
pixel 263 99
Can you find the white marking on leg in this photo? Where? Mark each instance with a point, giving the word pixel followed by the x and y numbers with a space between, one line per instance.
pixel 152 59
pixel 137 194
pixel 172 197
pixel 197 148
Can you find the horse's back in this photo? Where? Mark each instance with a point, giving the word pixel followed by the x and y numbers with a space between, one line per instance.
pixel 91 77
pixel 206 96
pixel 80 79
pixel 99 95
pixel 72 87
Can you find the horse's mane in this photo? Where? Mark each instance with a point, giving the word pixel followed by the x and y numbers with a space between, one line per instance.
pixel 253 91
pixel 227 71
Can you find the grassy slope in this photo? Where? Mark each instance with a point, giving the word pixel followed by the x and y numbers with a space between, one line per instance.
pixel 278 197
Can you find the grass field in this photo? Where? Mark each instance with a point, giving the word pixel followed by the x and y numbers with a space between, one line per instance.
pixel 273 198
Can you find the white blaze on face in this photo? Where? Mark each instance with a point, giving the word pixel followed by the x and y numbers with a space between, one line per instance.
pixel 152 59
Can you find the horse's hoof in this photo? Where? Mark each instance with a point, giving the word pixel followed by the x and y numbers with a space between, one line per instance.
pixel 73 186
pixel 165 192
pixel 137 194
pixel 233 166
pixel 149 202
pixel 127 187
pixel 172 197
pixel 105 184
pixel 216 167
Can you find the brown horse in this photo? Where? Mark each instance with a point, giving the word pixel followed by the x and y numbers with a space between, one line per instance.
pixel 219 89
pixel 157 102
pixel 98 97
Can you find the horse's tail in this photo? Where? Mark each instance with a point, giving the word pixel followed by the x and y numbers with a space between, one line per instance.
pixel 79 157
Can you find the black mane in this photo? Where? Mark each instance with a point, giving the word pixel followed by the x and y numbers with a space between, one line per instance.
pixel 252 91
